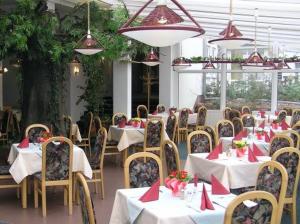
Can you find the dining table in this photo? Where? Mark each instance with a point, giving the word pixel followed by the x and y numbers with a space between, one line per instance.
pixel 164 116
pixel 169 209
pixel 28 161
pixel 76 133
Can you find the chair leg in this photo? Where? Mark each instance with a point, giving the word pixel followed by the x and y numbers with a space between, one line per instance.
pixel 24 192
pixel 101 185
pixel 74 186
pixel 18 193
pixel 294 212
pixel 70 199
pixel 95 183
pixel 65 196
pixel 36 193
pixel 44 208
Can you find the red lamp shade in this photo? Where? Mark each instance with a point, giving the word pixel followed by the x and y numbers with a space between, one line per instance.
pixel 283 65
pixel 88 45
pixel 151 59
pixel 209 65
pixel 255 61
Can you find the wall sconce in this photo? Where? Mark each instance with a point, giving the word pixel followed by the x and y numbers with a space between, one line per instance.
pixel 75 66
pixel 3 70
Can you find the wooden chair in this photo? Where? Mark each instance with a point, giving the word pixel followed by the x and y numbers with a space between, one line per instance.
pixel 15 125
pixel 290 158
pixel 197 106
pixel 34 131
pixel 170 156
pixel 246 110
pixel 57 160
pixel 211 131
pixel 248 120
pixel 160 108
pixel 142 169
pixel 97 123
pixel 281 115
pixel 118 117
pixel 86 203
pixel 226 113
pixel 67 121
pixel 199 142
pixel 265 210
pixel 171 127
pixel 96 161
pixel 294 136
pixel 86 134
pixel 224 128
pixel 237 125
pixel 234 113
pixel 153 136
pixel 272 177
pixel 5 124
pixel 142 111
pixel 296 127
pixel 182 130
pixel 289 111
pixel 201 118
pixel 295 116
pixel 279 141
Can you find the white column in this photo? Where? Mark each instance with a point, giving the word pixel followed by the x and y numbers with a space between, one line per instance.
pixel 274 97
pixel 122 93
pixel 223 86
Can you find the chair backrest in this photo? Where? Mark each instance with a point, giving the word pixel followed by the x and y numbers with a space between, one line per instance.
pixel 16 124
pixel 89 123
pixel 295 116
pixel 248 120
pixel 201 116
pixel 171 126
pixel 294 136
pixel 280 141
pixel 35 131
pixel 67 121
pixel 289 111
pixel 246 110
pixel 142 111
pixel 6 119
pixel 226 113
pixel 234 113
pixel 281 115
pixel 142 169
pixel 99 148
pixel 211 131
pixel 171 156
pixel 197 106
pixel 183 118
pixel 119 117
pixel 199 142
pixel 290 158
pixel 86 203
pixel 57 159
pixel 272 177
pixel 153 136
pixel 97 123
pixel 296 127
pixel 160 108
pixel 237 125
pixel 265 210
pixel 224 128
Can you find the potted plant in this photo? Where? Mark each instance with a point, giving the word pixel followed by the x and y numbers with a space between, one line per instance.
pixel 241 147
pixel 135 122
pixel 177 182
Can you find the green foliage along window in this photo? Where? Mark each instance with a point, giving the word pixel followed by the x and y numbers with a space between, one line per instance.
pixel 212 90
pixel 251 89
pixel 288 90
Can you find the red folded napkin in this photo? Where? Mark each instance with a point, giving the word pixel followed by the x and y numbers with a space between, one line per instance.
pixel 129 123
pixel 190 111
pixel 142 125
pixel 215 153
pixel 262 125
pixel 219 147
pixel 245 133
pixel 24 143
pixel 217 187
pixel 276 113
pixel 256 150
pixel 262 114
pixel 122 124
pixel 195 180
pixel 205 201
pixel 152 194
pixel 251 157
pixel 154 112
pixel 239 136
pixel 284 125
pixel 267 138
pixel 272 134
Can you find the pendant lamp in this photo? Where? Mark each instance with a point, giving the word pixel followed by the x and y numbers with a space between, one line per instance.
pixel 232 37
pixel 162 27
pixel 88 45
pixel 209 65
pixel 151 59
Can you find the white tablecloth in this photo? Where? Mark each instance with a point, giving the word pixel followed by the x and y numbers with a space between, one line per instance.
pixel 232 172
pixel 164 116
pixel 76 132
pixel 128 136
pixel 269 118
pixel 28 161
pixel 168 209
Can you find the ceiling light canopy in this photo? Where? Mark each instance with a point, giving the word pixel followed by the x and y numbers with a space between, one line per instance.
pixel 162 27
pixel 232 37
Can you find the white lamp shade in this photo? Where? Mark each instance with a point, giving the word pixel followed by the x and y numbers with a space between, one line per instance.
pixel 231 43
pixel 87 51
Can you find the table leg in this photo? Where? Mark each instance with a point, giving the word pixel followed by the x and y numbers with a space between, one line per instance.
pixel 24 192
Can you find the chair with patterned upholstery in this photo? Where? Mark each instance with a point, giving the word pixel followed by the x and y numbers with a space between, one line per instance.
pixel 153 136
pixel 5 125
pixel 199 142
pixel 170 156
pixel 246 110
pixel 295 116
pixel 224 128
pixel 248 120
pixel 86 202
pixel 237 125
pixel 281 115
pixel 57 160
pixel 119 117
pixel 160 108
pixel 142 169
pixel 97 123
pixel 171 127
pixel 234 113
pixel 67 122
pixel 294 136
pixel 289 111
pixel 182 130
pixel 226 113
pixel 272 177
pixel 96 161
pixel 35 131
pixel 142 111
pixel 280 141
pixel 264 212
pixel 290 158
pixel 211 131
pixel 201 118
pixel 86 134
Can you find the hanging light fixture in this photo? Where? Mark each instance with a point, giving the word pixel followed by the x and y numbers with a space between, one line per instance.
pixel 209 65
pixel 162 26
pixel 151 59
pixel 181 63
pixel 88 45
pixel 269 63
pixel 232 37
pixel 255 60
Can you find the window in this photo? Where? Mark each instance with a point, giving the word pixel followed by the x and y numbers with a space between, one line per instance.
pixel 212 90
pixel 288 90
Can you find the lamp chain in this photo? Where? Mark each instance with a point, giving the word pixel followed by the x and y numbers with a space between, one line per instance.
pixel 255 28
pixel 88 8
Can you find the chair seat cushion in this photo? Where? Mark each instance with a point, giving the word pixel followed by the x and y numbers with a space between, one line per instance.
pixel 4 170
pixel 111 143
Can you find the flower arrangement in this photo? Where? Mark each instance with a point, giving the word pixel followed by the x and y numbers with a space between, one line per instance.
pixel 241 147
pixel 177 181
pixel 136 119
pixel 135 122
pixel 45 135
